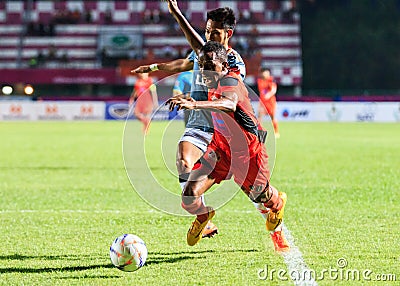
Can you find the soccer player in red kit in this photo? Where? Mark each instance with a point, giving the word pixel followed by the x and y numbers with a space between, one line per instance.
pixel 237 148
pixel 267 90
pixel 145 95
pixel 220 26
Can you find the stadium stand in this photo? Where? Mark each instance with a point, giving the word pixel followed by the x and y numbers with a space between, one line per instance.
pixel 74 27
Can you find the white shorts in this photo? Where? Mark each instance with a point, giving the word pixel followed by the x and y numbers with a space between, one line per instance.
pixel 197 137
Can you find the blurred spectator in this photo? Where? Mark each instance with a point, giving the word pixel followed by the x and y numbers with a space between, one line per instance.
pixel 273 11
pixel 156 16
pixel 88 17
pixel 75 16
pixel 253 47
pixel 40 58
pixel 244 16
pixel 242 46
pixel 108 16
pixel 176 29
pixel 61 16
pixel 150 55
pixel 52 53
pixel 64 60
pixel 50 29
pixel 254 31
pixel 105 60
pixel 41 30
pixel 168 51
pixel 147 17
pixel 288 8
pixel 31 29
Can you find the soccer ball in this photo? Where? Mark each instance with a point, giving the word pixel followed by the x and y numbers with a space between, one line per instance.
pixel 128 252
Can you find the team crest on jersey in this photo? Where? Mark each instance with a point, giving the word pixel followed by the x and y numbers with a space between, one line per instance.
pixel 213 97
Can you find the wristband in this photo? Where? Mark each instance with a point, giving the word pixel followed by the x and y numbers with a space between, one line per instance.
pixel 153 67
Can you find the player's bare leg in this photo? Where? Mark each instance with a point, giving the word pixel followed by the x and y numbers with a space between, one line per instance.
pixel 145 121
pixel 186 159
pixel 261 114
pixel 192 202
pixel 275 124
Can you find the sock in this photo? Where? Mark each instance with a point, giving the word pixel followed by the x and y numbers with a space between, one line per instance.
pixel 279 228
pixel 203 217
pixel 262 209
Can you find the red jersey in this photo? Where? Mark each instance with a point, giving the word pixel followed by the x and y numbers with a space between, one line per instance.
pixel 144 102
pixel 236 148
pixel 243 120
pixel 265 86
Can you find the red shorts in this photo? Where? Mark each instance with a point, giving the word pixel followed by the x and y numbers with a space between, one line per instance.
pixel 268 106
pixel 144 104
pixel 249 167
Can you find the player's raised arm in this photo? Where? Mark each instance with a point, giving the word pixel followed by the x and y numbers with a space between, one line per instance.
pixel 194 39
pixel 175 66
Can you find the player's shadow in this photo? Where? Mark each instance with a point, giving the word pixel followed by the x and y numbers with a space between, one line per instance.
pixel 18 257
pixel 172 257
pixel 53 269
pixel 153 258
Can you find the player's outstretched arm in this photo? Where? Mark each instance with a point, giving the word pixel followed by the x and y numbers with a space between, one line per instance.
pixel 175 66
pixel 194 39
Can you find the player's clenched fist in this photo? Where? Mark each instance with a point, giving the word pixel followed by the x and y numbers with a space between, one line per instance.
pixel 181 103
pixel 142 69
pixel 172 5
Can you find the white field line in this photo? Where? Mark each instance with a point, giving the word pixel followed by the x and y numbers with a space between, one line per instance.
pixel 297 268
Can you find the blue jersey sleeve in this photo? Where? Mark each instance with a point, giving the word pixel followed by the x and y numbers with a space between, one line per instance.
pixel 183 82
pixel 179 84
pixel 192 56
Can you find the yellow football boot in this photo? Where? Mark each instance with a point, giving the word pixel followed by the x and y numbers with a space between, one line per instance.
pixel 274 219
pixel 195 232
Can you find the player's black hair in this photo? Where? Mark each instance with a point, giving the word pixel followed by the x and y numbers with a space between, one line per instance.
pixel 263 69
pixel 224 15
pixel 217 48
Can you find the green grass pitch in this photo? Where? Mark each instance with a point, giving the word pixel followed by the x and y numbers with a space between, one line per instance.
pixel 65 196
